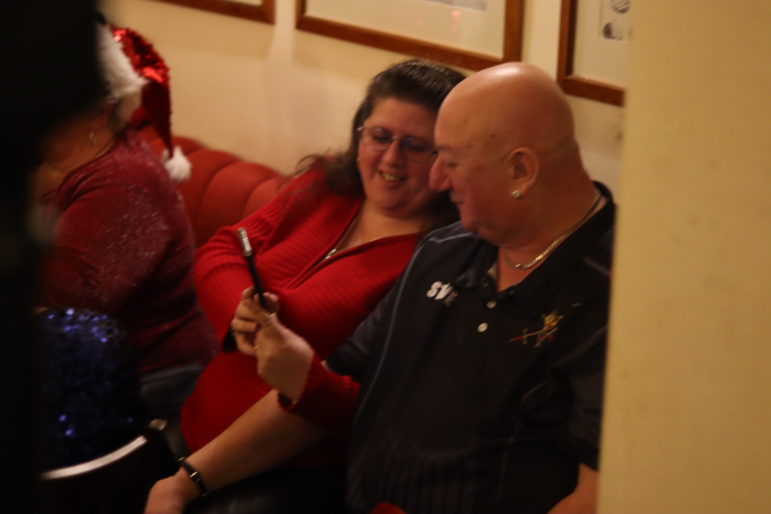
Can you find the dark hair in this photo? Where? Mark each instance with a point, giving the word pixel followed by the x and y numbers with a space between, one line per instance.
pixel 416 81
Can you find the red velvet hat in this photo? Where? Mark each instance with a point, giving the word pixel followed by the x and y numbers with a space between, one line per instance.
pixel 156 96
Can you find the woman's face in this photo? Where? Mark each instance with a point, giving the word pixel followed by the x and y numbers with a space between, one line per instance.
pixel 395 175
pixel 61 150
pixel 65 140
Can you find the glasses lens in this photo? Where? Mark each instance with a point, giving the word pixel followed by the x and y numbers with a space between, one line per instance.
pixel 378 138
pixel 414 148
pixel 417 149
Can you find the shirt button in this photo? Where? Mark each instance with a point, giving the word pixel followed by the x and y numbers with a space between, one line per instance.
pixel 482 327
pixel 491 304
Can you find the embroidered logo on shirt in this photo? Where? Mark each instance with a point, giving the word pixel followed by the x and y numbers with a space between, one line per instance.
pixel 550 324
pixel 442 292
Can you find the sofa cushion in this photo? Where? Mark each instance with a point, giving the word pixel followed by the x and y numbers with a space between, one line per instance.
pixel 222 189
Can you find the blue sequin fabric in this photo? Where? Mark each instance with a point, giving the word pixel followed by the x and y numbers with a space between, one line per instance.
pixel 91 385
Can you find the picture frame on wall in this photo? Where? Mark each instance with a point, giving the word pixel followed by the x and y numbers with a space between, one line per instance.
pixel 472 34
pixel 257 10
pixel 593 49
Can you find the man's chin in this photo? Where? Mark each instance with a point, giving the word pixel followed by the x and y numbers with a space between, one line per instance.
pixel 469 225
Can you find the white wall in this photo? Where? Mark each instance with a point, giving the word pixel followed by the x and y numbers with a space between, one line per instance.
pixel 274 94
pixel 688 399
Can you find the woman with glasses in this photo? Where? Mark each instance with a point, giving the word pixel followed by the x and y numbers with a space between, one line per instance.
pixel 329 247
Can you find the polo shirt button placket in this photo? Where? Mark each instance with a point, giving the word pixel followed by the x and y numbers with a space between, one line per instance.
pixel 483 326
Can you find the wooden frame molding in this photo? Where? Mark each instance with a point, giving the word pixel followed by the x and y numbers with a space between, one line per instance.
pixel 574 84
pixel 512 35
pixel 264 13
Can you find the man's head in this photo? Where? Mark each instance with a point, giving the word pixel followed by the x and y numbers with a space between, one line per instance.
pixel 506 146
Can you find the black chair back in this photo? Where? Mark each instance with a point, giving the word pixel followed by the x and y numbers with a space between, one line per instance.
pixel 116 483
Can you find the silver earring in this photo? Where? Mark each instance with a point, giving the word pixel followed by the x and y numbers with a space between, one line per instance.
pixel 516 194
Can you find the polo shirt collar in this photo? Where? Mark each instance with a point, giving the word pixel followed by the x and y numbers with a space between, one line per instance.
pixel 533 293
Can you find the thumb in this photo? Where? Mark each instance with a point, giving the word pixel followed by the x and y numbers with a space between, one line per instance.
pixel 272 301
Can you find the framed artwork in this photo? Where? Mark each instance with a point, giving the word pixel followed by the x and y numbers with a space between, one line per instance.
pixel 258 10
pixel 472 34
pixel 594 42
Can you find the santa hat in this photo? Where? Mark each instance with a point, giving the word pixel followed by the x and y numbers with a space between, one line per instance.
pixel 139 78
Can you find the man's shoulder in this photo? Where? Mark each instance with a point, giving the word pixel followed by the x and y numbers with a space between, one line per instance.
pixel 450 235
pixel 600 254
pixel 599 257
pixel 444 252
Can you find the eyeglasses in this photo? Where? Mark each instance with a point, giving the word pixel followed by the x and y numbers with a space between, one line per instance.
pixel 415 149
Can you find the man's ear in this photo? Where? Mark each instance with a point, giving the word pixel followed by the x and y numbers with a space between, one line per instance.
pixel 524 167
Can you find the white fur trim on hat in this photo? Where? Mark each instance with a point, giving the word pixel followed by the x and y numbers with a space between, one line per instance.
pixel 178 166
pixel 124 85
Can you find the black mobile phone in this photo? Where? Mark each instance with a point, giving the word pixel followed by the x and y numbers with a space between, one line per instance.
pixel 229 343
pixel 246 248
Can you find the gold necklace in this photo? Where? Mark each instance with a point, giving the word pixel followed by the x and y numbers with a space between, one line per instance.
pixel 541 256
pixel 342 239
pixel 65 169
pixel 103 151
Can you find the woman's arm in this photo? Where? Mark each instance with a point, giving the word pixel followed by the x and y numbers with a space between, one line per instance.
pixel 220 271
pixel 583 500
pixel 262 438
pixel 288 364
pixel 328 400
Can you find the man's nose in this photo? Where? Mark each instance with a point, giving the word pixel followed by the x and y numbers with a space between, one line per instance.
pixel 437 178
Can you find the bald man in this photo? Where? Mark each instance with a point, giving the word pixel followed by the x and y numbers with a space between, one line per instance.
pixel 481 372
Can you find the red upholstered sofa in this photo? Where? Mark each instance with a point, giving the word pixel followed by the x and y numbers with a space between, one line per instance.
pixel 222 189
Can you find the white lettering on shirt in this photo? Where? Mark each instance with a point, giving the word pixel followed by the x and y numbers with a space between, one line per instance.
pixel 442 292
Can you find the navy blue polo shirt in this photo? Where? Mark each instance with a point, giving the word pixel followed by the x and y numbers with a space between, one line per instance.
pixel 475 400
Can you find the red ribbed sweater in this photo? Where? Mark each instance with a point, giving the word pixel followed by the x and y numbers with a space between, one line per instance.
pixel 321 299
